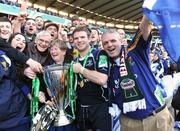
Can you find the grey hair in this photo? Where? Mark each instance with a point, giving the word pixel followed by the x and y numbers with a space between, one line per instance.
pixel 42 33
pixel 110 30
pixel 61 44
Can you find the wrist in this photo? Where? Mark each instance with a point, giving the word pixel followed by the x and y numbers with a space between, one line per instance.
pixel 28 61
pixel 82 70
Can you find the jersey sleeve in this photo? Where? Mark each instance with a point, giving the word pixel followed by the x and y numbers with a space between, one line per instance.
pixel 102 62
pixel 138 41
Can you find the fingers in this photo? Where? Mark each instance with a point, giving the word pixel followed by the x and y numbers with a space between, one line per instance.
pixel 77 67
pixel 49 103
pixel 42 97
pixel 29 73
pixel 37 67
pixel 34 65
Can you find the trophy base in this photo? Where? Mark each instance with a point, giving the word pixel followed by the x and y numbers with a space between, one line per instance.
pixel 61 119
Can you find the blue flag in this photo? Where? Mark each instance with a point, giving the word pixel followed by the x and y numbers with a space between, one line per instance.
pixel 165 14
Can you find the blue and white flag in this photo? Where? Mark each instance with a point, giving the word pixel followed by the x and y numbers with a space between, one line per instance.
pixel 165 14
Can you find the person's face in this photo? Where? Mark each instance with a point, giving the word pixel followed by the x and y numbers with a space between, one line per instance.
pixel 94 36
pixel 83 23
pixel 5 30
pixel 111 44
pixel 42 42
pixel 155 57
pixel 75 23
pixel 19 42
pixel 39 22
pixel 57 53
pixel 81 41
pixel 30 27
pixel 165 55
pixel 121 33
pixel 53 31
pixel 70 39
pixel 122 36
pixel 151 57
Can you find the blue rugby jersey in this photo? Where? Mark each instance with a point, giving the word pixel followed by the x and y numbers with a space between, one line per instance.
pixel 140 65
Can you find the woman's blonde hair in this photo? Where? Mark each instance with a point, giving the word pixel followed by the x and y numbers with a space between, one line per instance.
pixel 61 44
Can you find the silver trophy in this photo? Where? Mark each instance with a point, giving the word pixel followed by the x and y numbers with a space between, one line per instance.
pixel 55 79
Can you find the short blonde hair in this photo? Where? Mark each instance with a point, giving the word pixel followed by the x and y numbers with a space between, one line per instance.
pixel 111 30
pixel 61 44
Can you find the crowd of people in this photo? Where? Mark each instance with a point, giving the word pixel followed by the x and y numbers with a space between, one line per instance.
pixel 17 4
pixel 119 82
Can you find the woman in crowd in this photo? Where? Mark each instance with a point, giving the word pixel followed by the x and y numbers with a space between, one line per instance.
pixel 13 103
pixel 18 41
pixel 61 55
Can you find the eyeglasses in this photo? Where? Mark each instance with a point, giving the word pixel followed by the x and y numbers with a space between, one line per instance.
pixel 46 42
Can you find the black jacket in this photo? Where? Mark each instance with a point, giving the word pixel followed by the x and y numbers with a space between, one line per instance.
pixel 14 54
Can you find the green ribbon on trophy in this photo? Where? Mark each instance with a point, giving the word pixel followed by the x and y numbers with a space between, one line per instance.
pixel 35 96
pixel 71 89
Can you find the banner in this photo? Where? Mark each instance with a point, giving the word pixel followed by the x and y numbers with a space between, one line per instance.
pixel 165 14
pixel 13 10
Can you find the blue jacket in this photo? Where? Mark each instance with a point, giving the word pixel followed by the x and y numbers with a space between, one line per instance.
pixel 13 105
